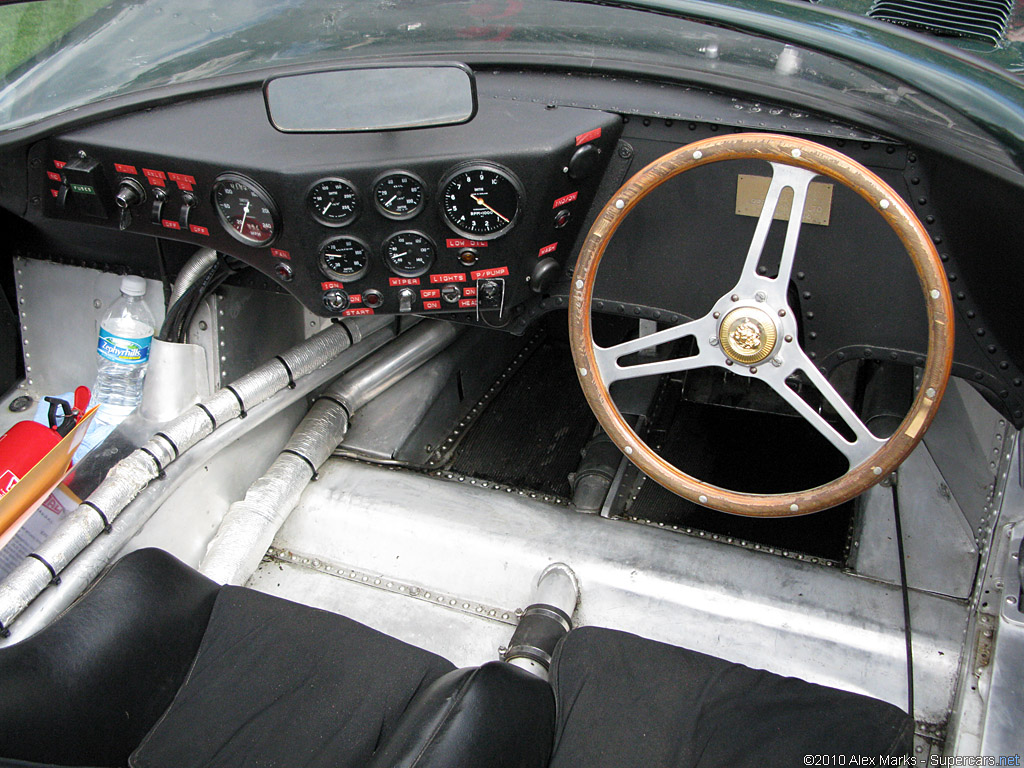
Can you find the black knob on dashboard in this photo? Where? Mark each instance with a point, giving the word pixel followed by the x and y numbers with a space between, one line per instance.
pixel 544 273
pixel 583 161
pixel 129 194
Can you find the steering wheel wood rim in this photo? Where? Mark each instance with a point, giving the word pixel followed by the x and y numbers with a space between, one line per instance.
pixel 783 152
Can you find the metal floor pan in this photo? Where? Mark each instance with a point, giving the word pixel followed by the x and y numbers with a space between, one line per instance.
pixel 444 565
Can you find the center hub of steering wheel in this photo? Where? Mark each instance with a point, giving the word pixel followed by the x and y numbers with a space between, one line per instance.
pixel 748 335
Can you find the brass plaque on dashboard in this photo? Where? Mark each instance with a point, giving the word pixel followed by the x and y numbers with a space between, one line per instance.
pixel 750 192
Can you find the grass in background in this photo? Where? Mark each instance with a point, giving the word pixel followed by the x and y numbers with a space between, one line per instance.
pixel 27 28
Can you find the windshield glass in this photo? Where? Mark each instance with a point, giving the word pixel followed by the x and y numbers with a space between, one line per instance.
pixel 75 53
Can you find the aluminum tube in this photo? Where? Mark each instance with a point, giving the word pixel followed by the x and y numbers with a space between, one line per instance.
pixel 255 387
pixel 311 354
pixel 123 483
pixel 250 525
pixel 320 432
pixel 83 525
pixel 160 449
pixel 406 353
pixel 545 621
pixel 91 562
pixel 131 475
pixel 197 266
pixel 557 585
pixel 20 588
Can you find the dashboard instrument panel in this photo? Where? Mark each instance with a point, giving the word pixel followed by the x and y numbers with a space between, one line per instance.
pixel 334 218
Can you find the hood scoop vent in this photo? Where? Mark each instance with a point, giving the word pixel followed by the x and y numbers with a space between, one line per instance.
pixel 984 20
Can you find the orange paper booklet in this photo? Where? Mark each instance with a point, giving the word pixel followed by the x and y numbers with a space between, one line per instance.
pixel 18 504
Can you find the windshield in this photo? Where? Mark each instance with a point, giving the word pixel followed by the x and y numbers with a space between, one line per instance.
pixel 75 53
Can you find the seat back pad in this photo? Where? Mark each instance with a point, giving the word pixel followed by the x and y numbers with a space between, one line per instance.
pixel 86 689
pixel 626 702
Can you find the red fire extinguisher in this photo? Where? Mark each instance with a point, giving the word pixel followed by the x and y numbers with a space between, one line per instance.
pixel 27 442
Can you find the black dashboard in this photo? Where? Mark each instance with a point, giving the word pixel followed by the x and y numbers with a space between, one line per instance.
pixel 481 222
pixel 463 218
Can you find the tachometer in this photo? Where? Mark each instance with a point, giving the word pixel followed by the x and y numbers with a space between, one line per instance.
pixel 409 254
pixel 345 258
pixel 481 201
pixel 245 209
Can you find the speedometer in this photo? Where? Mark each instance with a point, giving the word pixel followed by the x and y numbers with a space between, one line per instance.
pixel 245 209
pixel 481 201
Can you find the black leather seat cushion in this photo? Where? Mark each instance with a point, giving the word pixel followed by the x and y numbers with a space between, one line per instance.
pixel 87 688
pixel 492 716
pixel 280 684
pixel 624 701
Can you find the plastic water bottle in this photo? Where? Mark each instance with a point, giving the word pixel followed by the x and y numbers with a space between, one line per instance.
pixel 126 333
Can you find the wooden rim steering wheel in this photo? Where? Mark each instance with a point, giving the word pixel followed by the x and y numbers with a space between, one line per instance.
pixel 752 330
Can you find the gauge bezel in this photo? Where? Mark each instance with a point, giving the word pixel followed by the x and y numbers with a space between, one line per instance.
pixel 334 223
pixel 338 275
pixel 260 192
pixel 479 165
pixel 412 273
pixel 399 216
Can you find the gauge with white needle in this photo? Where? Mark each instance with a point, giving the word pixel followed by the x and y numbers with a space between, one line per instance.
pixel 399 195
pixel 334 202
pixel 481 201
pixel 245 209
pixel 409 254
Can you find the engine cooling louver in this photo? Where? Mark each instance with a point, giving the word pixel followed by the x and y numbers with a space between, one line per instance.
pixel 978 19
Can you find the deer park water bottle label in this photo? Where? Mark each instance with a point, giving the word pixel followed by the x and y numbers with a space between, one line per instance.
pixel 120 350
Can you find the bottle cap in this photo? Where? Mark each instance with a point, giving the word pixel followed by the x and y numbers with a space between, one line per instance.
pixel 131 285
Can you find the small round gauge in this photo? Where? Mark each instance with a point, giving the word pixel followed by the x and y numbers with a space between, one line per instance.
pixel 345 258
pixel 481 201
pixel 399 195
pixel 333 202
pixel 409 254
pixel 245 209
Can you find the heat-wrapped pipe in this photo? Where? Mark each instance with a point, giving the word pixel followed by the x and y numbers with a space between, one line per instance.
pixel 131 475
pixel 249 526
pixel 198 265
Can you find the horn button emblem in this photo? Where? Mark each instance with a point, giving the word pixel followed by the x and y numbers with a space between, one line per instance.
pixel 748 335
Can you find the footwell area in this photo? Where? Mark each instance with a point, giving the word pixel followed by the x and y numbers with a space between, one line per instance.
pixel 753 452
pixel 531 434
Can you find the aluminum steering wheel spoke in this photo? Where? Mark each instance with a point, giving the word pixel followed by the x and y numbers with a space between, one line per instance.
pixel 864 443
pixel 783 177
pixel 701 329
